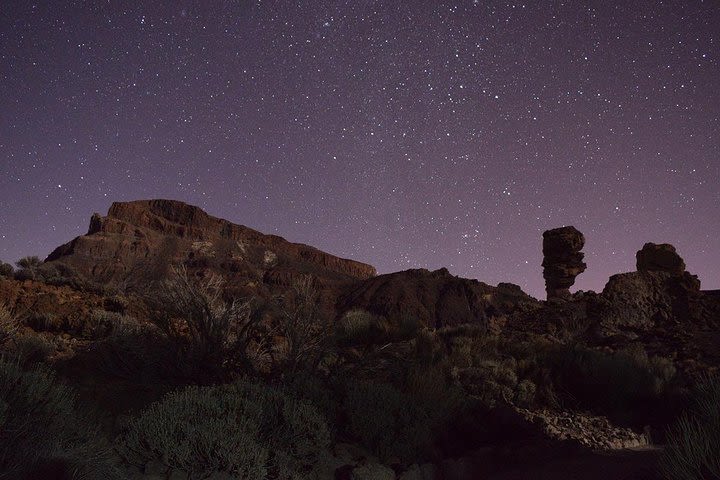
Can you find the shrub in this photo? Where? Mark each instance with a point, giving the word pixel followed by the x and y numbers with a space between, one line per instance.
pixel 8 324
pixel 692 451
pixel 387 421
pixel 490 381
pixel 28 267
pixel 248 430
pixel 6 270
pixel 29 348
pixel 310 387
pixel 43 322
pixel 102 324
pixel 360 327
pixel 483 370
pixel 304 327
pixel 213 333
pixel 620 384
pixel 39 422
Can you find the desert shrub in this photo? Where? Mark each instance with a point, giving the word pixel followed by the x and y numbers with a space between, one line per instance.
pixel 39 421
pixel 392 422
pixel 28 268
pixel 387 420
pixel 41 321
pixel 248 430
pixel 102 323
pixel 29 348
pixel 360 327
pixel 693 443
pixel 487 372
pixel 142 354
pixel 8 324
pixel 620 384
pixel 316 390
pixel 213 333
pixel 408 327
pixel 116 304
pixel 304 327
pixel 6 270
pixel 490 381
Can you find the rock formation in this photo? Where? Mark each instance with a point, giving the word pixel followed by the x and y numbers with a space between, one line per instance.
pixel 562 260
pixel 144 238
pixel 436 298
pixel 659 258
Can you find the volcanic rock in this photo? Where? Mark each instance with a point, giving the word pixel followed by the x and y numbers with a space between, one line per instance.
pixel 144 239
pixel 562 260
pixel 659 258
pixel 436 298
pixel 647 299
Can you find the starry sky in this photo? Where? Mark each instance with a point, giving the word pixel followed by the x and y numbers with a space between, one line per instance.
pixel 400 133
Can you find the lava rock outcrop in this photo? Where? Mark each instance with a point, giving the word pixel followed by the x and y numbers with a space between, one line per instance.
pixel 145 238
pixel 659 258
pixel 436 298
pixel 562 260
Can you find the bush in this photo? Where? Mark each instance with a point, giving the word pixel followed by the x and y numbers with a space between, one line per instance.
pixel 693 447
pixel 28 349
pixel 248 430
pixel 359 327
pixel 213 334
pixel 315 390
pixel 8 324
pixel 621 384
pixel 483 370
pixel 6 270
pixel 28 268
pixel 39 422
pixel 388 421
pixel 304 327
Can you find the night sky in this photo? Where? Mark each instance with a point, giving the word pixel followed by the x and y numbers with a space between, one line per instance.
pixel 400 133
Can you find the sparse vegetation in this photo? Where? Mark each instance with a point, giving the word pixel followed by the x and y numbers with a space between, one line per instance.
pixel 6 270
pixel 250 430
pixel 386 420
pixel 8 324
pixel 361 328
pixel 211 332
pixel 28 268
pixel 304 327
pixel 39 422
pixel 693 447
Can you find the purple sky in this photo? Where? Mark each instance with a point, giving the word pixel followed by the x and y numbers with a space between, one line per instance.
pixel 399 133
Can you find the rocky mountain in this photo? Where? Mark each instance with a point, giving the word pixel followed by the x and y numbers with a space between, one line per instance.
pixel 145 238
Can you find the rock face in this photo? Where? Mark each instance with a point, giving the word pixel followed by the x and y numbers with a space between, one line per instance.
pixel 144 238
pixel 659 258
pixel 660 292
pixel 436 298
pixel 644 300
pixel 562 260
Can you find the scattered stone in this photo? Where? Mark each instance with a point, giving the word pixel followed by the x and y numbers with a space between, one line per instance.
pixel 562 260
pixel 590 431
